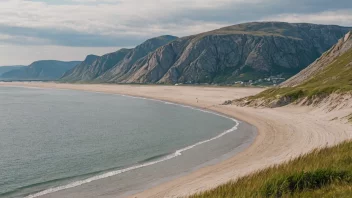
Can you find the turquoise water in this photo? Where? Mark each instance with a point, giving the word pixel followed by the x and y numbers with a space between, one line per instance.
pixel 51 138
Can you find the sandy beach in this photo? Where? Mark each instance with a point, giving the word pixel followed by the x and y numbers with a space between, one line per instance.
pixel 283 133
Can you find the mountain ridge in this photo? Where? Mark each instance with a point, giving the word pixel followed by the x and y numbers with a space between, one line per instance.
pixel 122 58
pixel 4 69
pixel 40 70
pixel 327 81
pixel 243 52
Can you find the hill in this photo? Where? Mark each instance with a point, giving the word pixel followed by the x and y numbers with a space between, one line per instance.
pixel 40 70
pixel 246 52
pixel 329 78
pixel 4 69
pixel 322 173
pixel 112 65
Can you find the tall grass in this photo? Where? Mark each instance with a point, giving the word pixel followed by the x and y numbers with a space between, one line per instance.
pixel 321 173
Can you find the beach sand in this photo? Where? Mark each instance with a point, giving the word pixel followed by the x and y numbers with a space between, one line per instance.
pixel 283 133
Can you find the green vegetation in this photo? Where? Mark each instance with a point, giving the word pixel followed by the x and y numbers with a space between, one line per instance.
pixel 322 173
pixel 337 77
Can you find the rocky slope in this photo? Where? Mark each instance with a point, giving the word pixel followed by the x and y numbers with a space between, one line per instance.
pixel 114 64
pixel 40 70
pixel 343 45
pixel 326 82
pixel 242 52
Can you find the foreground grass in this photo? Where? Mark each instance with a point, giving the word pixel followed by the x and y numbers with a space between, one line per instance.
pixel 337 77
pixel 322 173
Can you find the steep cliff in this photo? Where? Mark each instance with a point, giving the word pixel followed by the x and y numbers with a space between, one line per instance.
pixel 114 64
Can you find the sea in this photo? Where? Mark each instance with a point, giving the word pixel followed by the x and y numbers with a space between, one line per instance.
pixel 66 143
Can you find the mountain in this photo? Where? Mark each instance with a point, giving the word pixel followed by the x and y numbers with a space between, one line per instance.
pixel 114 64
pixel 328 79
pixel 243 52
pixel 4 69
pixel 40 70
pixel 320 65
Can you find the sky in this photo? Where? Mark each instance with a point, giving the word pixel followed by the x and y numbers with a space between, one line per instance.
pixel 33 30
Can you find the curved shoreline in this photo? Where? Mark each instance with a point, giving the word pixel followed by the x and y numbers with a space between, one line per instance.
pixel 283 133
pixel 167 157
pixel 175 154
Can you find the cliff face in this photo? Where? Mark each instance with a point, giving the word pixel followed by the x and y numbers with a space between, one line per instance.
pixel 114 64
pixel 326 83
pixel 242 52
pixel 343 45
pixel 40 70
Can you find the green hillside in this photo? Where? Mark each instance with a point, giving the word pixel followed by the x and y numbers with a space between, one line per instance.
pixel 337 77
pixel 322 173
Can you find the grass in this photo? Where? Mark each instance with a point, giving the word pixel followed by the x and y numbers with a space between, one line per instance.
pixel 337 77
pixel 322 173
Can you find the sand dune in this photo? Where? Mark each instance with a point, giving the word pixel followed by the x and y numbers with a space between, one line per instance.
pixel 284 133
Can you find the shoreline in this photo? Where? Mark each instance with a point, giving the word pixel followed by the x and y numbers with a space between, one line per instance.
pixel 179 152
pixel 283 133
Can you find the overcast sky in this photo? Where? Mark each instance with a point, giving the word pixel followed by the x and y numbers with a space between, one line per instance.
pixel 71 29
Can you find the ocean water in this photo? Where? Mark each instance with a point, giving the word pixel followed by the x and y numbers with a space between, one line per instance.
pixel 53 140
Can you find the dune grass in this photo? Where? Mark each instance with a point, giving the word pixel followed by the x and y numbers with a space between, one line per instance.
pixel 321 173
pixel 337 77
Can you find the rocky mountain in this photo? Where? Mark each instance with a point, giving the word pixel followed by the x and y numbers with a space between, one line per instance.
pixel 319 65
pixel 4 69
pixel 40 70
pixel 328 81
pixel 114 64
pixel 243 52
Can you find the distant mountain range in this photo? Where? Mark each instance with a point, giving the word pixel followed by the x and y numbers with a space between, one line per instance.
pixel 39 70
pixel 244 52
pixel 4 69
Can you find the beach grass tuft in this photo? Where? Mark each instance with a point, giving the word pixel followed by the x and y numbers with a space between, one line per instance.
pixel 322 173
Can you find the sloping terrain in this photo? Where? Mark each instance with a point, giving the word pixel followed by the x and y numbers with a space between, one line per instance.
pixel 114 64
pixel 40 70
pixel 328 79
pixel 4 69
pixel 245 52
pixel 322 173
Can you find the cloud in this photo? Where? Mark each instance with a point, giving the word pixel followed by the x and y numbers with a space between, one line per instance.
pixel 128 22
pixel 342 17
pixel 119 23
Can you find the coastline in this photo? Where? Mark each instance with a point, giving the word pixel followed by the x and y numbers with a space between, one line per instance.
pixel 283 133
